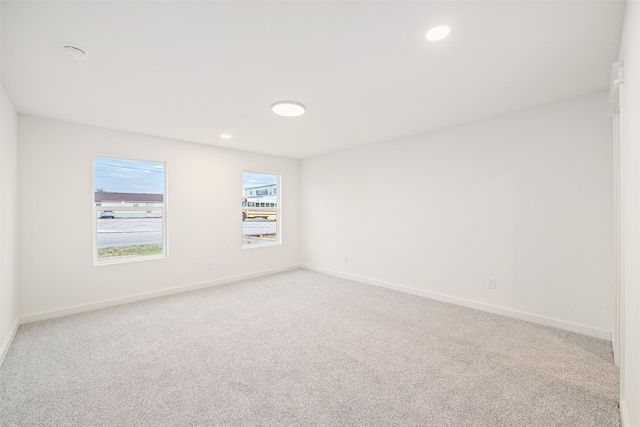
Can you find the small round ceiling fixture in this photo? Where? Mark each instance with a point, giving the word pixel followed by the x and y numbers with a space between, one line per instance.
pixel 438 33
pixel 76 52
pixel 288 108
pixel 225 136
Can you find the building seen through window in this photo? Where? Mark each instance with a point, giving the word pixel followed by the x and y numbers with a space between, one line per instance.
pixel 260 209
pixel 129 209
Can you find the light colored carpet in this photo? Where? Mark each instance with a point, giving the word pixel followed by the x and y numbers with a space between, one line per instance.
pixel 303 349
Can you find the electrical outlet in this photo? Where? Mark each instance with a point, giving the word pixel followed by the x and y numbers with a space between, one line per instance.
pixel 210 265
pixel 491 282
pixel 344 259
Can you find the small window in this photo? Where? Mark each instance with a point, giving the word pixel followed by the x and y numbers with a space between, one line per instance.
pixel 130 210
pixel 260 209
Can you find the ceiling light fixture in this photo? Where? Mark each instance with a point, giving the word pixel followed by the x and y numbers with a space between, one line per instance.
pixel 74 51
pixel 438 33
pixel 225 136
pixel 288 108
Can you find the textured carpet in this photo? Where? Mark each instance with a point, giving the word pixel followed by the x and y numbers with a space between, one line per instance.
pixel 303 349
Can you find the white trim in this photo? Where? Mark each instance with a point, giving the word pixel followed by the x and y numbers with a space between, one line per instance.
pixel 7 342
pixel 534 318
pixel 617 78
pixel 277 210
pixel 147 295
pixel 128 259
pixel 615 338
pixel 624 414
pixel 622 145
pixel 164 209
pixel 260 245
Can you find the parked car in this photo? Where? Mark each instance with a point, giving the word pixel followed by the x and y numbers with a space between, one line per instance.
pixel 107 215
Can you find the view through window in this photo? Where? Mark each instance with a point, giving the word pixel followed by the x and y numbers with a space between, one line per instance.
pixel 129 209
pixel 260 209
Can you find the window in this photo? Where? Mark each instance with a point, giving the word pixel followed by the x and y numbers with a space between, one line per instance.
pixel 130 207
pixel 260 209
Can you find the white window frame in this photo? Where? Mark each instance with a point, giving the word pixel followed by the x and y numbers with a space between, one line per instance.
pixel 96 209
pixel 277 210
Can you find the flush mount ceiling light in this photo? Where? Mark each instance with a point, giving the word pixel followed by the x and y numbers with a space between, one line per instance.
pixel 225 136
pixel 438 33
pixel 74 51
pixel 288 108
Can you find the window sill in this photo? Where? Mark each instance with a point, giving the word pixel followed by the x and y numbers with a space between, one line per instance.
pixel 262 245
pixel 126 260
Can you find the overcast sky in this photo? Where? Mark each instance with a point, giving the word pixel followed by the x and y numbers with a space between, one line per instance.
pixel 133 176
pixel 128 176
pixel 255 179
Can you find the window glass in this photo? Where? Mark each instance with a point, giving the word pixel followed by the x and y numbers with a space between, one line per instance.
pixel 125 226
pixel 260 209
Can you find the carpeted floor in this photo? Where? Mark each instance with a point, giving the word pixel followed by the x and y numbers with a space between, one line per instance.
pixel 303 349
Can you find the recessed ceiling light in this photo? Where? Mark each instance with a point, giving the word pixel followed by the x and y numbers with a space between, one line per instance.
pixel 225 136
pixel 438 33
pixel 288 108
pixel 76 52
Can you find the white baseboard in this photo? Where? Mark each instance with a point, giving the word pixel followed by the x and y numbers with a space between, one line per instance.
pixel 534 318
pixel 147 295
pixel 624 415
pixel 7 342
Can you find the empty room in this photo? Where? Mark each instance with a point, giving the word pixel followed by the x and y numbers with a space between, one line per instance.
pixel 320 213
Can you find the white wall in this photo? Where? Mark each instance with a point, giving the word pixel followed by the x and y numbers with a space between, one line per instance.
pixel 204 217
pixel 8 222
pixel 525 198
pixel 630 131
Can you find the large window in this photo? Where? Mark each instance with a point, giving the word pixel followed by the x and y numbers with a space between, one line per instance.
pixel 130 206
pixel 260 209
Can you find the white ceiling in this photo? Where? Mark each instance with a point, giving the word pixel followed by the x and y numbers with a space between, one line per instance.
pixel 194 70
